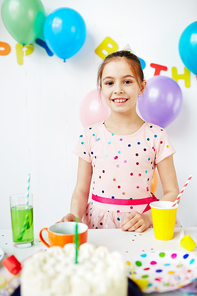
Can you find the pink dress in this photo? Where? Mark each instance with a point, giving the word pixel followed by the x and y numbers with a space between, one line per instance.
pixel 123 167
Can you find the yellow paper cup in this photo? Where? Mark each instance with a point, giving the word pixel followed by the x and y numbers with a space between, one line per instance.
pixel 187 243
pixel 164 217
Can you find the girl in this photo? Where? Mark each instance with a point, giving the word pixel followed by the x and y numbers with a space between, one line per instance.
pixel 119 156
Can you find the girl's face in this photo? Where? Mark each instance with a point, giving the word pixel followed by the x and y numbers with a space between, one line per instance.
pixel 120 87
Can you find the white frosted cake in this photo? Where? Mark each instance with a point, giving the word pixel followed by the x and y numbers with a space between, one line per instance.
pixel 54 272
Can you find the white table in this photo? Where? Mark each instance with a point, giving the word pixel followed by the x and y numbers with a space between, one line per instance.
pixel 127 243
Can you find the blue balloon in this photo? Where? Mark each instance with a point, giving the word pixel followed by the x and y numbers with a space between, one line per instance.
pixel 64 32
pixel 188 47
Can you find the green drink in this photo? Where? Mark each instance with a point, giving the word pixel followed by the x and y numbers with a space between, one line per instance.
pixel 22 220
pixel 20 214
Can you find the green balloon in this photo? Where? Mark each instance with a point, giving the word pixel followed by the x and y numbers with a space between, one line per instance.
pixel 24 19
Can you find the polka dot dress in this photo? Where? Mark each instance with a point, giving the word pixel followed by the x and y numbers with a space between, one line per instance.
pixel 123 165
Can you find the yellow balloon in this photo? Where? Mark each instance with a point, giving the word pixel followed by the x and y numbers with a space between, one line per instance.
pixel 154 182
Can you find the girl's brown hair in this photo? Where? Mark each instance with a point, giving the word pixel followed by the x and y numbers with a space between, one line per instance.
pixel 129 57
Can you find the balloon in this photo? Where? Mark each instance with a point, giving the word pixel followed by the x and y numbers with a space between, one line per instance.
pixel 64 32
pixel 24 19
pixel 154 182
pixel 161 101
pixel 94 108
pixel 188 47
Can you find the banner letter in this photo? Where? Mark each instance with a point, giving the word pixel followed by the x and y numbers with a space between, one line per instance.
pixel 158 68
pixel 106 47
pixel 22 51
pixel 44 45
pixel 185 76
pixel 4 48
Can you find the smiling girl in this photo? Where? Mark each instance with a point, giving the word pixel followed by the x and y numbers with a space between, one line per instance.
pixel 117 158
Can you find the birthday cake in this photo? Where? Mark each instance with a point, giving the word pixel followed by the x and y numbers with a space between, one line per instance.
pixel 54 272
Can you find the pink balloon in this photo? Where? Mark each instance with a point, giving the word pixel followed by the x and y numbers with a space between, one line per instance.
pixel 94 108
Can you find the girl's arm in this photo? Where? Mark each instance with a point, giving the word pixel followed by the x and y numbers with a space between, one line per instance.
pixel 140 222
pixel 168 178
pixel 169 183
pixel 81 192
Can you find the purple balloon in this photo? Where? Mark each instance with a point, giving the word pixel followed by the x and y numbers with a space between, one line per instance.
pixel 161 101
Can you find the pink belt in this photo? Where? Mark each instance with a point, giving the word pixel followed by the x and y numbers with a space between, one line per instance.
pixel 127 202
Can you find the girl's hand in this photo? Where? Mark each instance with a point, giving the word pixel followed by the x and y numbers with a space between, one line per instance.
pixel 68 218
pixel 135 222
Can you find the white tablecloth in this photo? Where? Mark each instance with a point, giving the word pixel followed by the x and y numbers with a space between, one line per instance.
pixel 128 244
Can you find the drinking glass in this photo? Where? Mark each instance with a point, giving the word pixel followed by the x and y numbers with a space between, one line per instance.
pixel 21 210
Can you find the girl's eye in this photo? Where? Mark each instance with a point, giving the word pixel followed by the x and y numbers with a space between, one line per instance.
pixel 109 83
pixel 127 81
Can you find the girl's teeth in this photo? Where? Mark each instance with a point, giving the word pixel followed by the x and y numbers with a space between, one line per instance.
pixel 119 101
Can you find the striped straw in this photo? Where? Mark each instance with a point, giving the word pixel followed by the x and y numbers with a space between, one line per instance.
pixel 27 211
pixel 28 186
pixel 181 192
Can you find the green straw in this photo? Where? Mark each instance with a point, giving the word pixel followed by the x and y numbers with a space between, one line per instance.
pixel 76 239
pixel 25 224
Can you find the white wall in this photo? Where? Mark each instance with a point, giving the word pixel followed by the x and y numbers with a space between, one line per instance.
pixel 40 101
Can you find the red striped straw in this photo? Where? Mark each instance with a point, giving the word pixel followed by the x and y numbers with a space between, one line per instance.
pixel 182 190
